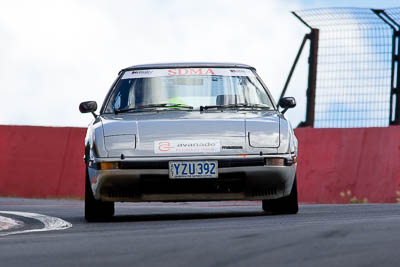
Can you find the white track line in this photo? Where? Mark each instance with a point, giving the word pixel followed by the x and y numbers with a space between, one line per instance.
pixel 50 223
pixel 8 223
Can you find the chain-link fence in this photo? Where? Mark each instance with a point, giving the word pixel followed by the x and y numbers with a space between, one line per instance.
pixel 356 67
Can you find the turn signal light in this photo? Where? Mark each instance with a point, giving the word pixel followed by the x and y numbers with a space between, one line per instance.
pixel 275 161
pixel 108 165
pixel 290 162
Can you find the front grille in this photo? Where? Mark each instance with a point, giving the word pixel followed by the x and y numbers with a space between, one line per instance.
pixel 263 192
pixel 121 194
pixel 241 163
pixel 161 184
pixel 143 165
pixel 222 163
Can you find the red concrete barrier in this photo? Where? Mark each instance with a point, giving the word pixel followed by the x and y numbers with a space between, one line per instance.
pixel 349 165
pixel 335 165
pixel 44 162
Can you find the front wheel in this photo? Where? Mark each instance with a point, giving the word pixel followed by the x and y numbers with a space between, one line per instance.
pixel 96 210
pixel 284 205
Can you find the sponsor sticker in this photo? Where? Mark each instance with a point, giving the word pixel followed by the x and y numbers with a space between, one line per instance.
pixel 187 72
pixel 187 146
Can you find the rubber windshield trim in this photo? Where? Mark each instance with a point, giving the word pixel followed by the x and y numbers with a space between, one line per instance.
pixel 122 72
pixel 188 66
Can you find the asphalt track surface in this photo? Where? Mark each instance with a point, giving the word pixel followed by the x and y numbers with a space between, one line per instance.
pixel 205 234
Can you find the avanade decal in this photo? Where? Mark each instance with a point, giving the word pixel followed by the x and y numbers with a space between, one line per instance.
pixel 187 146
pixel 132 74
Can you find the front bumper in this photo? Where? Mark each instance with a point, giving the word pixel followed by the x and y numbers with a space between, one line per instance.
pixel 240 178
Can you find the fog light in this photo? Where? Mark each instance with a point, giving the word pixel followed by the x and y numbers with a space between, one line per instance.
pixel 109 165
pixel 275 161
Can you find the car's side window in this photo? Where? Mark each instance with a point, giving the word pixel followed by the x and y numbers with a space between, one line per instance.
pixel 117 101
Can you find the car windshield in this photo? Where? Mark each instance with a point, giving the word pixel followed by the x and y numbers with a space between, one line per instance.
pixel 187 88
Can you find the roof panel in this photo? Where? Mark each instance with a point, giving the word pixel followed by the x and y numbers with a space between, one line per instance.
pixel 188 65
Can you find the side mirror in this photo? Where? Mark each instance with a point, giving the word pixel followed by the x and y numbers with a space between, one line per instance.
pixel 287 103
pixel 88 106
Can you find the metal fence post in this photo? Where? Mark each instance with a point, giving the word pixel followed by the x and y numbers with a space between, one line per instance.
pixel 306 37
pixel 396 90
pixel 312 77
pixel 394 119
pixel 313 36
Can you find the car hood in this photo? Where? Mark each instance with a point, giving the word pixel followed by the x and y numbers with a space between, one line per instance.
pixel 234 132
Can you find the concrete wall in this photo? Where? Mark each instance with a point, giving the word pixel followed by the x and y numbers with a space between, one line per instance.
pixel 349 165
pixel 335 165
pixel 41 161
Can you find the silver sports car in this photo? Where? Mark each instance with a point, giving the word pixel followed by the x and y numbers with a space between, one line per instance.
pixel 189 132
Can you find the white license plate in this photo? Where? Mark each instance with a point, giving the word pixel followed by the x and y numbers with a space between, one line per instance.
pixel 193 169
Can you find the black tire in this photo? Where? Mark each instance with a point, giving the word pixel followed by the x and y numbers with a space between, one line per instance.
pixel 96 210
pixel 284 205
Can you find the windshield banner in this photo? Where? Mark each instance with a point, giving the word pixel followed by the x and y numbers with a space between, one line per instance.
pixel 132 74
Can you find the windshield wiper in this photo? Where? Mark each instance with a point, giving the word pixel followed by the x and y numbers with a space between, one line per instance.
pixel 152 106
pixel 116 111
pixel 238 105
pixel 166 105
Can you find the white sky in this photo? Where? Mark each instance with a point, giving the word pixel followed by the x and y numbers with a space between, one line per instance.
pixel 56 54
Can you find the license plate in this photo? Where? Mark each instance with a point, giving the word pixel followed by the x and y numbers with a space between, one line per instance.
pixel 193 169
